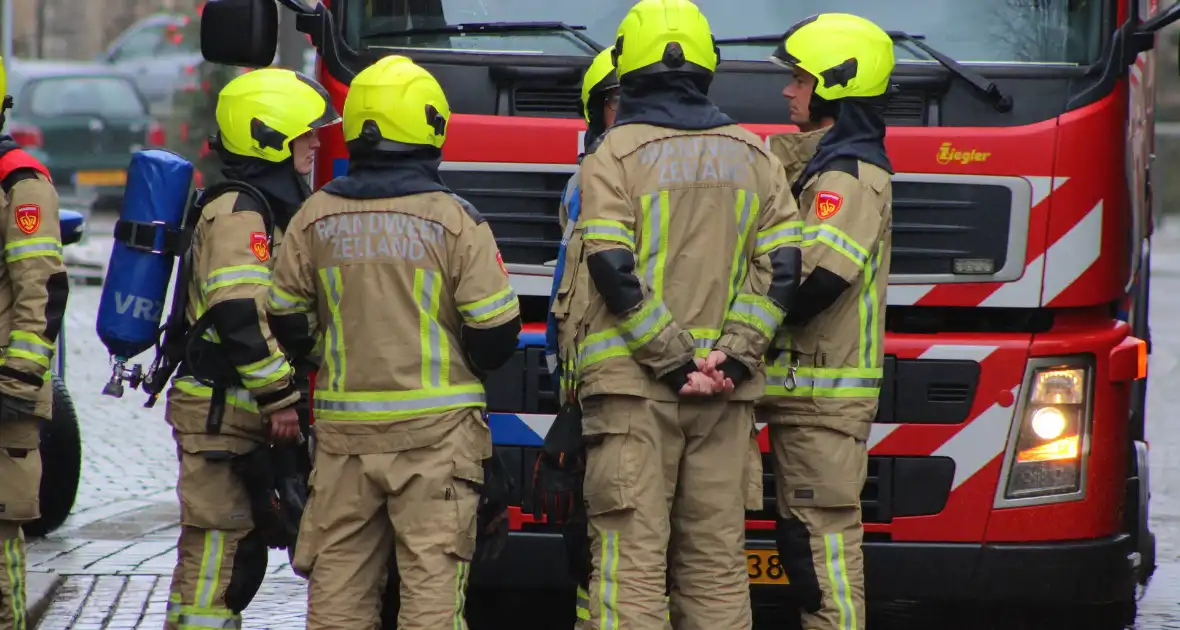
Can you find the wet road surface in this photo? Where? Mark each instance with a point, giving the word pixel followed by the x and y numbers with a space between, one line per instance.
pixel 118 548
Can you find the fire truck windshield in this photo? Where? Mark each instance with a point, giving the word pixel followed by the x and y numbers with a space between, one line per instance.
pixel 1068 32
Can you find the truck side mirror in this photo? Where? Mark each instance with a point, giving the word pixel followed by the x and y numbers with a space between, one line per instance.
pixel 1162 20
pixel 240 32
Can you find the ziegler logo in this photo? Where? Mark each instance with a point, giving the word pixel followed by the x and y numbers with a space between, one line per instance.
pixel 948 154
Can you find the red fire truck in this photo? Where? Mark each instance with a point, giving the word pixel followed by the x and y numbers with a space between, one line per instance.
pixel 1008 460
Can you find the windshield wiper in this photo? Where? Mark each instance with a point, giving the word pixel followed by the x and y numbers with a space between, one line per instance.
pixel 480 28
pixel 752 39
pixel 986 89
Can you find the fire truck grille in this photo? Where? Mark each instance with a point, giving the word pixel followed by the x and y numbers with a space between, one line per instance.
pixel 942 232
pixel 906 109
pixel 894 487
pixel 547 102
pixel 521 208
pixel 950 230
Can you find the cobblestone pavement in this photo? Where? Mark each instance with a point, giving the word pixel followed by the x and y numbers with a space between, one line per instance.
pixel 118 547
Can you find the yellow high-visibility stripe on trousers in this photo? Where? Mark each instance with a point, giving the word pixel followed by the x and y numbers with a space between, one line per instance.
pixel 14 562
pixel 211 559
pixel 838 580
pixel 174 605
pixel 193 618
pixel 608 582
pixel 582 604
pixel 459 621
pixel 203 614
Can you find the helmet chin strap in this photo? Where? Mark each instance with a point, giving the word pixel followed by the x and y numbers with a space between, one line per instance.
pixel 819 107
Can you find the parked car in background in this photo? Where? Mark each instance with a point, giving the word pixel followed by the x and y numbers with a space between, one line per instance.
pixel 155 53
pixel 83 121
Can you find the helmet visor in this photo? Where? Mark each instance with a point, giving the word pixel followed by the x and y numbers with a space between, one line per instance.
pixel 329 116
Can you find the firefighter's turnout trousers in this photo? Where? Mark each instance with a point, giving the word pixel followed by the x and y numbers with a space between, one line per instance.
pixel 666 489
pixel 416 493
pixel 221 559
pixel 820 472
pixel 20 481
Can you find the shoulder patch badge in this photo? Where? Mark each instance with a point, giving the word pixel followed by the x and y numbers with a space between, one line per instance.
pixel 500 260
pixel 28 217
pixel 827 204
pixel 260 245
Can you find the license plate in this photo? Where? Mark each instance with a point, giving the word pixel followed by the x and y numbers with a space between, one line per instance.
pixel 100 178
pixel 763 567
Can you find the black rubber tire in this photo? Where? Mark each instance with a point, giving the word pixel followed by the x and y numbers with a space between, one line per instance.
pixel 1147 553
pixel 61 463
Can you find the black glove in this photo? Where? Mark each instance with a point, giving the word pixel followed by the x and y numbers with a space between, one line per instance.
pixel 734 370
pixel 303 405
pixel 492 517
pixel 576 536
pixel 255 471
pixel 558 472
pixel 291 470
pixel 678 378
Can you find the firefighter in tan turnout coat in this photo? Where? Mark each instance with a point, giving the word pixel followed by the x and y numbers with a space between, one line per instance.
pixel 33 293
pixel 235 378
pixel 681 266
pixel 823 384
pixel 401 282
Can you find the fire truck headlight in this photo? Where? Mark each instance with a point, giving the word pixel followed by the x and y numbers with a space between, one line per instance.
pixel 1047 449
pixel 1057 387
pixel 1049 423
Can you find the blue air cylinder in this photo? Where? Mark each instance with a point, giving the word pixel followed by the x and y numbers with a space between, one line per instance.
pixel 145 250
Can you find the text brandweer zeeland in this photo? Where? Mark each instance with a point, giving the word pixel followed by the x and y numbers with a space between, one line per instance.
pixel 378 235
